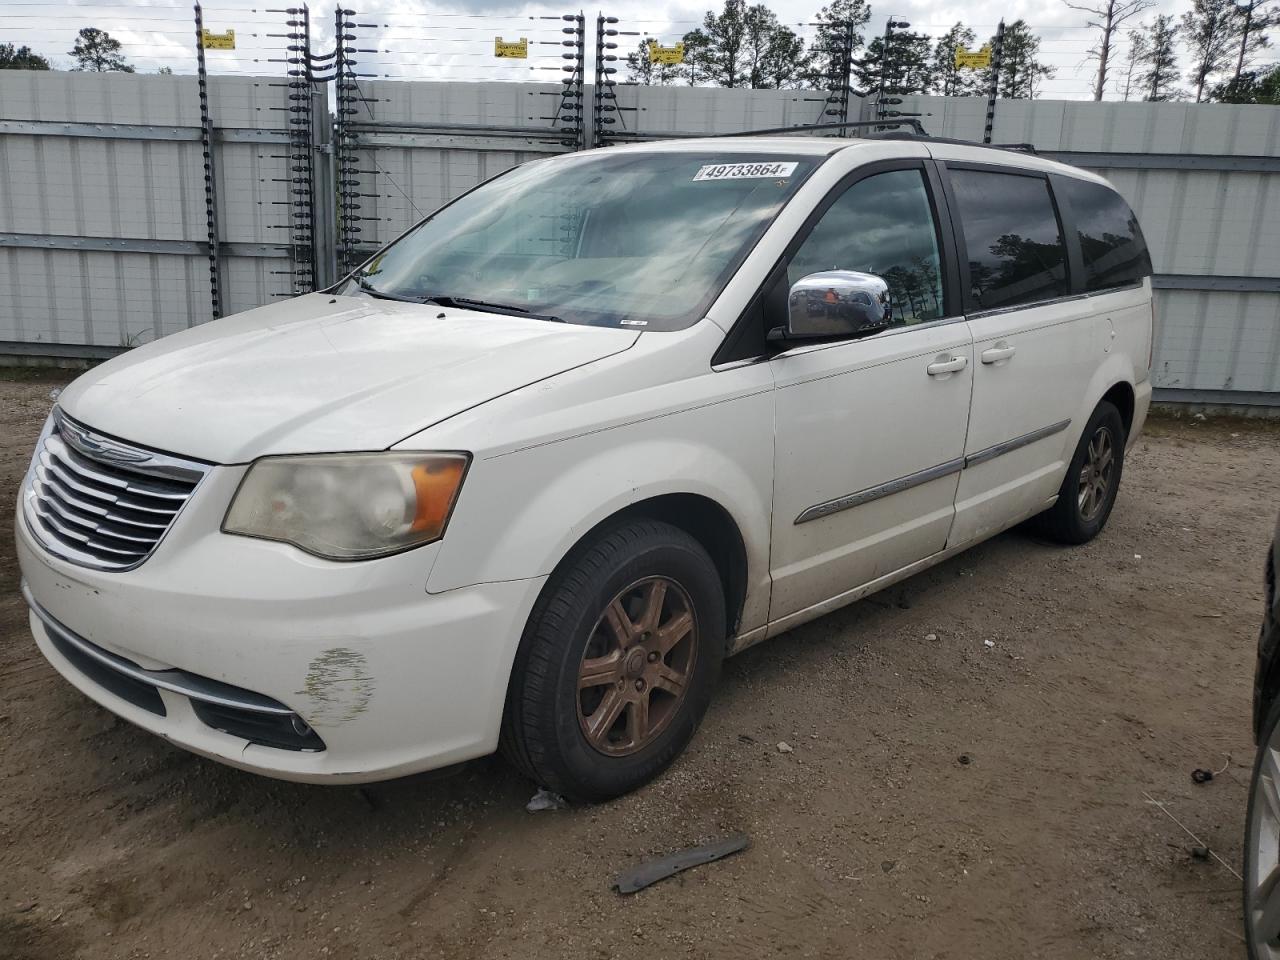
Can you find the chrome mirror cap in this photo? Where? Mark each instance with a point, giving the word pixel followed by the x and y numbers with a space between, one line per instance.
pixel 838 303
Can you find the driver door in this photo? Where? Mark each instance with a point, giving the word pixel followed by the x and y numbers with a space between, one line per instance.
pixel 870 432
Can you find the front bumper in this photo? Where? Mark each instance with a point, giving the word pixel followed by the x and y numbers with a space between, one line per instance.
pixel 391 679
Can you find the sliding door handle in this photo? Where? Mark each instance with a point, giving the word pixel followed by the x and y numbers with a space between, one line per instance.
pixel 944 365
pixel 1001 351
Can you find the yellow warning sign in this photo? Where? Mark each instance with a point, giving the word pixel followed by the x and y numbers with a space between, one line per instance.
pixel 218 41
pixel 668 55
pixel 974 59
pixel 511 49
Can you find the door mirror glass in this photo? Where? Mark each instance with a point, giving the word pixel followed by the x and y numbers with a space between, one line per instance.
pixel 838 303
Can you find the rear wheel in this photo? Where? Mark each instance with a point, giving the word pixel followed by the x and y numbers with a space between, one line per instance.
pixel 1089 489
pixel 617 662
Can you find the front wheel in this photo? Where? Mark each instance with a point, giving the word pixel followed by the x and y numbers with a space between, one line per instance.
pixel 617 663
pixel 1262 846
pixel 1089 489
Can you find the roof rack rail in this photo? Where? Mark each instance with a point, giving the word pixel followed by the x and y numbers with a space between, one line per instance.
pixel 903 135
pixel 913 124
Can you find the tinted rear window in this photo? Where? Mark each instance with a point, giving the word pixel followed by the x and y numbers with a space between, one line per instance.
pixel 1111 241
pixel 1011 233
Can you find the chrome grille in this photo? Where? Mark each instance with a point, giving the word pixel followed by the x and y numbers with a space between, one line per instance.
pixel 101 502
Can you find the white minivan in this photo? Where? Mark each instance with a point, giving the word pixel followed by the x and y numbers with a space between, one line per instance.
pixel 528 475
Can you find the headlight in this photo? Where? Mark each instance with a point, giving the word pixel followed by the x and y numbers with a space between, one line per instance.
pixel 348 506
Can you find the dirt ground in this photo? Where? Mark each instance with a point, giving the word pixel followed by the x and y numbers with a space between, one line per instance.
pixel 1114 669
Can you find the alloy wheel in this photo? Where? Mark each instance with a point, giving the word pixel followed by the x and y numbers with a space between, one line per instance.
pixel 637 666
pixel 1262 878
pixel 1095 474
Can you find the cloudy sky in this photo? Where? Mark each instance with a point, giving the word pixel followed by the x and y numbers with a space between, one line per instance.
pixel 419 40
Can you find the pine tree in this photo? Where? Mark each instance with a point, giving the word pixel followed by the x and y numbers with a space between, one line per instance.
pixel 774 54
pixel 740 46
pixel 1133 61
pixel 99 52
pixel 20 58
pixel 948 79
pixel 1020 68
pixel 1254 24
pixel 1252 86
pixel 824 59
pixel 697 66
pixel 908 67
pixel 1209 30
pixel 1160 58
pixel 726 34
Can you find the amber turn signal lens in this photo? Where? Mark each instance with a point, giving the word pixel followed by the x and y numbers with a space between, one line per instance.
pixel 436 485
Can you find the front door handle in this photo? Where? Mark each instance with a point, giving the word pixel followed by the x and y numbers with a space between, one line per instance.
pixel 1001 351
pixel 945 365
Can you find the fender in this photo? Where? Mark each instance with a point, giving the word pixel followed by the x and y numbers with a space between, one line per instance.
pixel 1115 368
pixel 521 512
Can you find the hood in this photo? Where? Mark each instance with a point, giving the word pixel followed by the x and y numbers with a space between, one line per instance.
pixel 321 374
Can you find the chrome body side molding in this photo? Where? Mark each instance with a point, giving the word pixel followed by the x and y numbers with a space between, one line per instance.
pixel 901 484
pixel 1008 446
pixel 820 510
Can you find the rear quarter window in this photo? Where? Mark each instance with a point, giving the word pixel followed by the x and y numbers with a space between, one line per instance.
pixel 1111 242
pixel 1012 238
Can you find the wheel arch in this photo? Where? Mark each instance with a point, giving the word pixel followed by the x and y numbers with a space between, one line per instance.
pixel 1112 382
pixel 704 519
pixel 1121 396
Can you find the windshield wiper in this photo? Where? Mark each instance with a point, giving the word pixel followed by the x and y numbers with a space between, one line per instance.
pixel 373 291
pixel 467 303
pixel 464 303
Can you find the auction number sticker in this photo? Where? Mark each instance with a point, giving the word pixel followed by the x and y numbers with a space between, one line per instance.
pixel 744 171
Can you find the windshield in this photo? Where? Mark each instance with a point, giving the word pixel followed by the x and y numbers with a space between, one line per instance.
pixel 627 239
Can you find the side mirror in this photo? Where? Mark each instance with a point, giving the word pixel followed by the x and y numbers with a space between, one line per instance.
pixel 836 303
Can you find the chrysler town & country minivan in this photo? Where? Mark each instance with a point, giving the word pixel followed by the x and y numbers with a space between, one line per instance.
pixel 533 470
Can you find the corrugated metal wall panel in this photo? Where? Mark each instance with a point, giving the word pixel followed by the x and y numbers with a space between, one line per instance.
pixel 1217 341
pixel 1210 129
pixel 504 104
pixel 120 187
pixel 97 298
pixel 412 182
pixel 403 183
pixel 253 281
pixel 253 188
pixel 87 187
pixel 98 98
pixel 1199 222
pixel 252 192
pixel 708 110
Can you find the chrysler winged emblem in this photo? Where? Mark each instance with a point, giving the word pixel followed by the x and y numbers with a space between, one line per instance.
pixel 99 447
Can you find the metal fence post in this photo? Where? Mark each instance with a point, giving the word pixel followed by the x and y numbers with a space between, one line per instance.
pixel 997 57
pixel 299 180
pixel 210 172
pixel 605 94
pixel 324 192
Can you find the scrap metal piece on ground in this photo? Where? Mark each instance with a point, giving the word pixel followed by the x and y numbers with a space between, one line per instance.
pixel 637 878
pixel 544 799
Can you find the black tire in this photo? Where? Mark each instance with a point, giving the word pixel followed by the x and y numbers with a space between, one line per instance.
pixel 542 733
pixel 1066 521
pixel 1250 829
